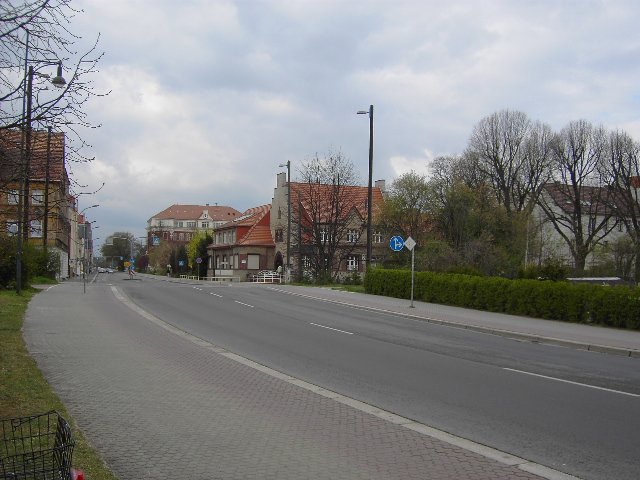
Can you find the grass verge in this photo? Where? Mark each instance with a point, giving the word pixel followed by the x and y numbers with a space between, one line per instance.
pixel 24 390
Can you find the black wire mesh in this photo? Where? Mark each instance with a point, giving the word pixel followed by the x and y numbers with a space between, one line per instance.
pixel 38 447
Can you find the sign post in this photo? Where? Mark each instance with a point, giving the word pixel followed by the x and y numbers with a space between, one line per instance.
pixel 198 261
pixel 409 244
pixel 397 243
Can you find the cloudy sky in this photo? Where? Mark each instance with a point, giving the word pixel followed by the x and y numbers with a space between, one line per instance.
pixel 208 97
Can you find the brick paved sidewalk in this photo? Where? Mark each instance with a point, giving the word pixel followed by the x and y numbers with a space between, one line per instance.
pixel 162 406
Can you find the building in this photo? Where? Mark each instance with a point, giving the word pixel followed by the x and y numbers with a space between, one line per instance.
pixel 598 219
pixel 45 179
pixel 178 223
pixel 312 226
pixel 242 246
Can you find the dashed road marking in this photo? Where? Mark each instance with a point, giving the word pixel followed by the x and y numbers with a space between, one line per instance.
pixel 330 328
pixel 570 382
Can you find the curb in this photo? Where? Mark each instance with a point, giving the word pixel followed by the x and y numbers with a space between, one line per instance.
pixel 528 337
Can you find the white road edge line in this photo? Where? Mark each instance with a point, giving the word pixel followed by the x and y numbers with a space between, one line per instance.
pixel 488 452
pixel 245 304
pixel 215 294
pixel 572 383
pixel 329 328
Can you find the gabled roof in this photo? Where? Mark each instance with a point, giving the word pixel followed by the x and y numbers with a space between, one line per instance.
pixel 255 222
pixel 594 201
pixel 353 198
pixel 11 146
pixel 194 212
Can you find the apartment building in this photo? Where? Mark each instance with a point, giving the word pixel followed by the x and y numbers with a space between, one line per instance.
pixel 43 182
pixel 178 223
pixel 310 226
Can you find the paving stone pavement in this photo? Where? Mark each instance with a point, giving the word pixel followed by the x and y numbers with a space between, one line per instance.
pixel 158 406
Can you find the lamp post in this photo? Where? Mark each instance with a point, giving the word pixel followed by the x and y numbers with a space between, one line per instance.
pixel 23 203
pixel 370 190
pixel 288 165
pixel 85 244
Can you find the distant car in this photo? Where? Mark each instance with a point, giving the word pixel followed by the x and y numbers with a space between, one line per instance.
pixel 109 270
pixel 102 270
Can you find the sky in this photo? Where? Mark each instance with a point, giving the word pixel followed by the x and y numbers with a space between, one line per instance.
pixel 208 97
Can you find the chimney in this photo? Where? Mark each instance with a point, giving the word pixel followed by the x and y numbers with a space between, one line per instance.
pixel 282 179
pixel 381 185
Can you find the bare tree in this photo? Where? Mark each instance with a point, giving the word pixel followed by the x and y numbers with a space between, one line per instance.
pixel 512 152
pixel 35 36
pixel 576 203
pixel 328 207
pixel 622 165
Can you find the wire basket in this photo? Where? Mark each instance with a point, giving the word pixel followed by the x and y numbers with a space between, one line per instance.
pixel 38 447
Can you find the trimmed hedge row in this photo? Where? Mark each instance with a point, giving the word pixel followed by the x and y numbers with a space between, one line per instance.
pixel 613 306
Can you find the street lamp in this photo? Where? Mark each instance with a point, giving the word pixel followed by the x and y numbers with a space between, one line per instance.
pixel 288 165
pixel 370 191
pixel 23 204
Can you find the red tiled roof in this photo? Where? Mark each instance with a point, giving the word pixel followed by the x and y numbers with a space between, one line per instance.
pixel 254 226
pixel 11 148
pixel 193 212
pixel 351 196
pixel 260 230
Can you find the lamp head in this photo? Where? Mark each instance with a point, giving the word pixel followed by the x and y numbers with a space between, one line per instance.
pixel 59 80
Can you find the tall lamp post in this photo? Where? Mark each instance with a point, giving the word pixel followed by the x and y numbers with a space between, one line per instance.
pixel 288 165
pixel 23 204
pixel 370 190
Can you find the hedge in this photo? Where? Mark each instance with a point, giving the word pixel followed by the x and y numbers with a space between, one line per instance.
pixel 617 306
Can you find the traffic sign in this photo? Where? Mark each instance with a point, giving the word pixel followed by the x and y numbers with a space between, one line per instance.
pixel 409 243
pixel 396 243
pixel 198 260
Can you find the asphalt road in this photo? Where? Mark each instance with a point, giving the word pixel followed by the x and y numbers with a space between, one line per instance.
pixel 492 390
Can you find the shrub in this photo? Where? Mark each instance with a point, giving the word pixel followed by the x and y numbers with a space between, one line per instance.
pixel 614 306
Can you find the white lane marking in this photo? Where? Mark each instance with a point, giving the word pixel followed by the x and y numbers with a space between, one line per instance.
pixel 572 383
pixel 215 294
pixel 329 328
pixel 245 304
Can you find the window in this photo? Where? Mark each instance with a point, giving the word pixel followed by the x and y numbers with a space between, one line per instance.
pixel 181 236
pixel 592 224
pixel 191 224
pixel 205 224
pixel 377 237
pixel 324 235
pixel 179 224
pixel 279 213
pixel 36 228
pixel 279 235
pixel 352 263
pixel 37 197
pixel 306 262
pixel 13 197
pixel 12 227
pixel 352 236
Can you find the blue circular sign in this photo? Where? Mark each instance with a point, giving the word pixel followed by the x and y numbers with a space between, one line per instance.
pixel 396 243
